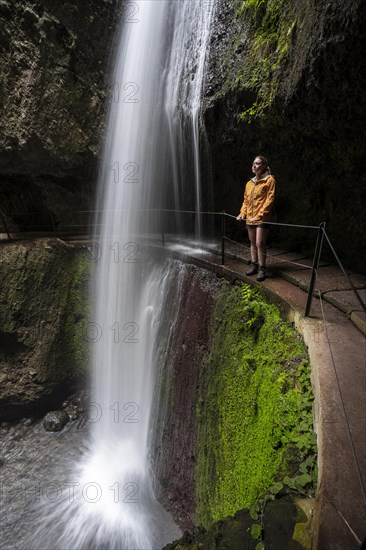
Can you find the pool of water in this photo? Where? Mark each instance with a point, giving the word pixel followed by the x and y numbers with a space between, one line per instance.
pixel 47 502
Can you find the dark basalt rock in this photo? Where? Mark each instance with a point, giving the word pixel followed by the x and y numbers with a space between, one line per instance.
pixel 54 421
pixel 313 129
pixel 175 442
pixel 234 533
pixel 43 353
pixel 54 61
pixel 76 405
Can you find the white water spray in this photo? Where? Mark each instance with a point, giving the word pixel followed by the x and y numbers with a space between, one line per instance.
pixel 130 290
pixel 192 23
pixel 152 137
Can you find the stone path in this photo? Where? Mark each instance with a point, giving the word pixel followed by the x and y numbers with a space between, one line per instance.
pixel 296 268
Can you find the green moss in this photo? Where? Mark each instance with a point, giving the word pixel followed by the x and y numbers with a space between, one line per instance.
pixel 254 408
pixel 269 48
pixel 43 318
pixel 251 5
pixel 77 313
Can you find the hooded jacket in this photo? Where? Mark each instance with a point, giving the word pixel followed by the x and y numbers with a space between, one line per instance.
pixel 258 200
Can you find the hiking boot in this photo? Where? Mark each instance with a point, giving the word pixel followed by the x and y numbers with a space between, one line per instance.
pixel 253 270
pixel 261 273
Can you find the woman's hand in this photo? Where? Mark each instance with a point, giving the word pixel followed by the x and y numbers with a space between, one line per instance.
pixel 239 217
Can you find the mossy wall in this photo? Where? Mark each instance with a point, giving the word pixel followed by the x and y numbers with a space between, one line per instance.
pixel 43 315
pixel 237 430
pixel 255 405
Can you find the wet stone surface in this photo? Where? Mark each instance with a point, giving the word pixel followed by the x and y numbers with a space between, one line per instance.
pixel 54 421
pixel 35 463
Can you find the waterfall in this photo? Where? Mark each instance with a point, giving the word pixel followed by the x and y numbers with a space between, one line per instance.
pixel 152 134
pixel 150 159
pixel 129 289
pixel 192 21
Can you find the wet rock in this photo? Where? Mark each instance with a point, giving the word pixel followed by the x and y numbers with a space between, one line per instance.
pixel 53 65
pixel 54 421
pixel 76 405
pixel 174 454
pixel 231 533
pixel 26 422
pixel 42 319
pixel 282 520
pixel 314 117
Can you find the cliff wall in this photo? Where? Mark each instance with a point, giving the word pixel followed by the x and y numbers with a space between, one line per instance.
pixel 43 325
pixel 286 79
pixel 54 58
pixel 234 383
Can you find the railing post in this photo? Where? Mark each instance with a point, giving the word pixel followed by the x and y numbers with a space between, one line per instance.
pixel 51 216
pixel 5 226
pixel 318 247
pixel 223 238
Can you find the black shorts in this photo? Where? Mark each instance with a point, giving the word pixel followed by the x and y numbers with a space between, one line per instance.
pixel 260 225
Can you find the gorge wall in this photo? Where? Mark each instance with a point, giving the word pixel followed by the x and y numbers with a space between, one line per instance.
pixel 234 384
pixel 54 60
pixel 286 79
pixel 43 325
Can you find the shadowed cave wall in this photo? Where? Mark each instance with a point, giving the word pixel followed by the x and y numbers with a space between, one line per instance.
pixel 287 79
pixel 54 58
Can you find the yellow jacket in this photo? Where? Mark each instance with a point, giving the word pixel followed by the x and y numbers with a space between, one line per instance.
pixel 258 200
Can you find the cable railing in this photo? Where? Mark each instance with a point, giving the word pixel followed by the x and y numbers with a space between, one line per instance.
pixel 70 228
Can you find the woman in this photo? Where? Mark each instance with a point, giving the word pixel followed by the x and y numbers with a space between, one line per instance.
pixel 256 208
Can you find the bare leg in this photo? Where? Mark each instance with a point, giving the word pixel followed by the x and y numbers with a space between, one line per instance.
pixel 253 245
pixel 261 239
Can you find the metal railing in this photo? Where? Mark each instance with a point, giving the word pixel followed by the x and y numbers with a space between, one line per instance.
pixel 317 250
pixel 316 256
pixel 320 237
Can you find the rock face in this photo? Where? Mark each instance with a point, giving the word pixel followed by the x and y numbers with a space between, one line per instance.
pixel 53 89
pixel 43 311
pixel 234 379
pixel 175 453
pixel 286 79
pixel 280 519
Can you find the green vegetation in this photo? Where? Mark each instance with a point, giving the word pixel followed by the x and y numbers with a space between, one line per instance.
pixel 275 28
pixel 77 312
pixel 255 438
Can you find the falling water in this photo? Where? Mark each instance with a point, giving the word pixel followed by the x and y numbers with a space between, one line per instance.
pixel 189 49
pixel 130 287
pixel 151 158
